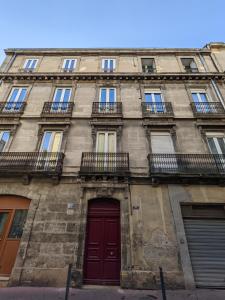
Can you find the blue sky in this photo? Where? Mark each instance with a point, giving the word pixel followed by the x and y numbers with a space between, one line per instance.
pixel 110 23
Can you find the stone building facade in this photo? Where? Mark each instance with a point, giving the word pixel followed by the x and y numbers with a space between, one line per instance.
pixel 112 160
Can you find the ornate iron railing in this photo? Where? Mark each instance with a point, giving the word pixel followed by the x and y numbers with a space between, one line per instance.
pixel 63 109
pixel 31 162
pixel 106 108
pixel 148 69
pixel 12 108
pixel 104 163
pixel 157 108
pixel 191 70
pixel 195 164
pixel 208 108
pixel 27 70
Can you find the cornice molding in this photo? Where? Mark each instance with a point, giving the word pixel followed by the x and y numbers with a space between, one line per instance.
pixel 111 76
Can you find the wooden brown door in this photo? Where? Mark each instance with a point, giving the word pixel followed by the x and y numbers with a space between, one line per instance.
pixel 102 250
pixel 13 212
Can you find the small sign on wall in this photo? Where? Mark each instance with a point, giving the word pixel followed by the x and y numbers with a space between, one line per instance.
pixel 70 208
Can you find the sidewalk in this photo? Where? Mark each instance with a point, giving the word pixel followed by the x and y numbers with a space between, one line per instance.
pixel 109 293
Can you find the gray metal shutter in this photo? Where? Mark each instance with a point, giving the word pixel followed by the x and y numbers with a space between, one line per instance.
pixel 206 243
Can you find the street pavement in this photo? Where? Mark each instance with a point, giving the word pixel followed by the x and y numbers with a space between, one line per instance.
pixel 109 293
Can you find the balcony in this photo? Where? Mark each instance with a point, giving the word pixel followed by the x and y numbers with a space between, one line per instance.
pixel 148 69
pixel 27 70
pixel 157 109
pixel 190 69
pixel 57 109
pixel 107 109
pixel 207 109
pixel 190 165
pixel 31 163
pixel 11 109
pixel 93 163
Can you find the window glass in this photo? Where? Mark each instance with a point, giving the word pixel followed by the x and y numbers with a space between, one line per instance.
pixel 30 64
pixel 58 95
pixel 203 97
pixel 4 138
pixel 22 95
pixel 66 97
pixel 111 95
pixel 46 141
pixel 3 219
pixel 103 95
pixel 13 96
pixel 221 144
pixel 19 219
pixel 148 97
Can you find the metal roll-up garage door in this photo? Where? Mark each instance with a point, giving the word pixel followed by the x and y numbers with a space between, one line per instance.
pixel 206 242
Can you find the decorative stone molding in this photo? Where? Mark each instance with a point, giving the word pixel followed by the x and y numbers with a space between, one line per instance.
pixel 111 76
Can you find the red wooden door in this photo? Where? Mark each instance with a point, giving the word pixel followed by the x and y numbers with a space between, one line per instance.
pixel 102 250
pixel 13 212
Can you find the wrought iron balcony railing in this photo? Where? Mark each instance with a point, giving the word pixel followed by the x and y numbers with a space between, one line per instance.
pixel 148 69
pixel 68 70
pixel 107 108
pixel 208 108
pixel 62 109
pixel 27 70
pixel 104 163
pixel 187 164
pixel 48 163
pixel 12 108
pixel 191 70
pixel 157 109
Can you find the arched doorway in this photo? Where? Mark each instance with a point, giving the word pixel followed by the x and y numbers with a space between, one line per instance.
pixel 13 213
pixel 102 260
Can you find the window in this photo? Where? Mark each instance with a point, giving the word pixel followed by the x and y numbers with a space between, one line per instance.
pixel 148 65
pixel 4 138
pixel 164 157
pixel 106 142
pixel 201 101
pixel 189 65
pixel 216 143
pixel 61 99
pixel 51 141
pixel 107 95
pixel 69 64
pixel 19 219
pixel 16 99
pixel 30 64
pixel 107 99
pixel 108 65
pixel 154 101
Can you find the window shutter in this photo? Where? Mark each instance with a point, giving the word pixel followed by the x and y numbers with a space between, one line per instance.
pixel 162 143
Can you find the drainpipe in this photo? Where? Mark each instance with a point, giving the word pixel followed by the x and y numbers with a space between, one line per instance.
pixel 9 65
pixel 214 84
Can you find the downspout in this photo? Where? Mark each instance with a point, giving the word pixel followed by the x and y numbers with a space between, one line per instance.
pixel 214 84
pixel 7 67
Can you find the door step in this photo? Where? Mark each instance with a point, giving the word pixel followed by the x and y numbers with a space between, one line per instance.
pixel 3 281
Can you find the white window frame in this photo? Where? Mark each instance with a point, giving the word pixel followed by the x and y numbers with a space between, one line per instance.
pixel 18 94
pixel 214 136
pixel 107 93
pixel 70 61
pixel 154 92
pixel 26 62
pixel 106 133
pixel 63 93
pixel 108 64
pixel 209 99
pixel 53 132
